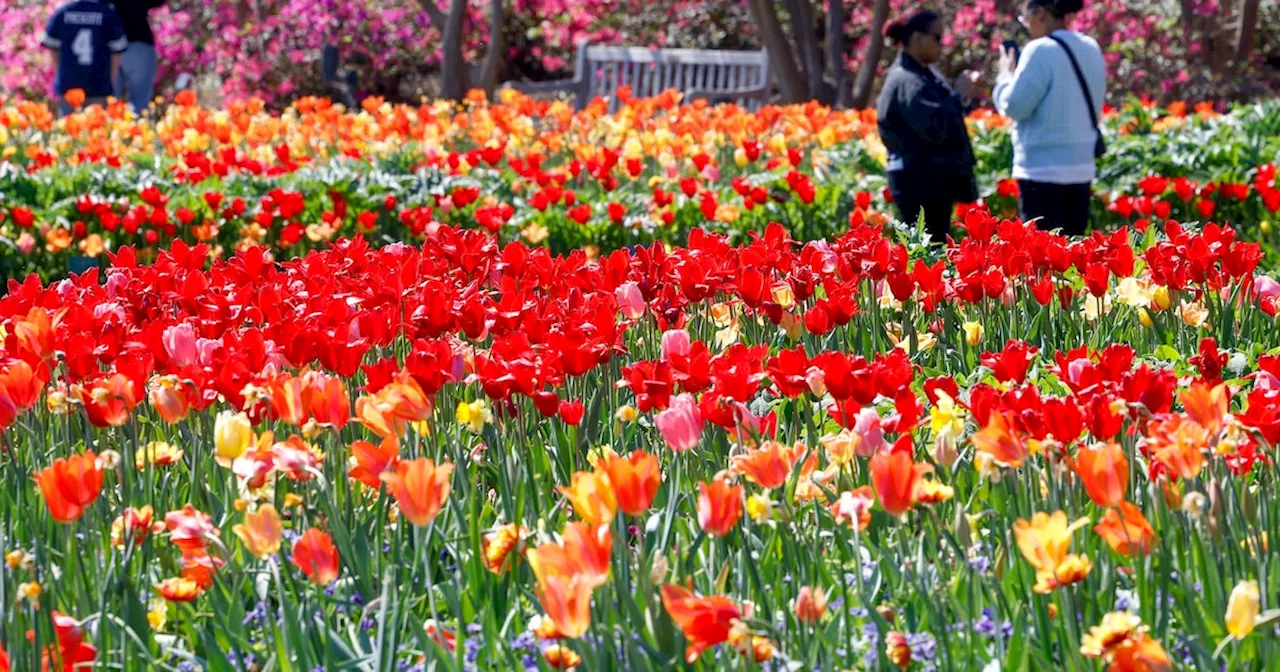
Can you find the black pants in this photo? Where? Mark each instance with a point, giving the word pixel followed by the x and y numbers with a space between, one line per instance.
pixel 913 195
pixel 1058 206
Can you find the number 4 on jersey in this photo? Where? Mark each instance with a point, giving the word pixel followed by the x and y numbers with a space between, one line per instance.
pixel 82 46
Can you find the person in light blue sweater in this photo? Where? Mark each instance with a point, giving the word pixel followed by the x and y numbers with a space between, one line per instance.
pixel 1055 133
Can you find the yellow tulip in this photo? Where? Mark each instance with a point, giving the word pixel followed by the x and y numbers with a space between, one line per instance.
pixel 973 333
pixel 1242 609
pixel 232 434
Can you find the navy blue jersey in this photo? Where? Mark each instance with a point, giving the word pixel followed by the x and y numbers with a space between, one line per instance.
pixel 85 33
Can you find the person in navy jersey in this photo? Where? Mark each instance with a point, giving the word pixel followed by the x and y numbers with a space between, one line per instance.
pixel 87 38
pixel 137 79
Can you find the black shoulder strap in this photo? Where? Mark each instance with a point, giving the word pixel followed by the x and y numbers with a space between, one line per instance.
pixel 1084 86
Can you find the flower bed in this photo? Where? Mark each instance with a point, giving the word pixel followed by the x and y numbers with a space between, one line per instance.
pixel 846 453
pixel 99 180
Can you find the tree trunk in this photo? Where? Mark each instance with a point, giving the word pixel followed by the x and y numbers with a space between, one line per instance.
pixel 1248 26
pixel 871 61
pixel 780 53
pixel 455 76
pixel 802 32
pixel 1221 38
pixel 491 67
pixel 835 51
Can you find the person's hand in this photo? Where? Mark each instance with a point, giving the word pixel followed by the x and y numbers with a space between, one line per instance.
pixel 1007 61
pixel 966 85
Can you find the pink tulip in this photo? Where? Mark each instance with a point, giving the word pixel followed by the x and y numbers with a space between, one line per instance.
pixel 1266 288
pixel 674 342
pixel 180 344
pixel 868 429
pixel 630 300
pixel 681 424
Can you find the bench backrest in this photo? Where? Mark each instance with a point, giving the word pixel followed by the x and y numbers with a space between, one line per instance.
pixel 651 71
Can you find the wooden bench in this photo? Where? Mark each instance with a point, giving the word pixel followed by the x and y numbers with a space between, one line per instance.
pixel 718 76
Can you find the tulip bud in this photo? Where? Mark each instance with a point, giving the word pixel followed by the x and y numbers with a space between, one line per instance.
pixel 1193 504
pixel 945 452
pixel 810 604
pixel 1160 299
pixel 1249 504
pixel 886 612
pixel 962 528
pixel 897 649
pixel 658 570
pixel 1144 318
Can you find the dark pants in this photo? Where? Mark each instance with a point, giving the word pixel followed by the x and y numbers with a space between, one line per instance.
pixel 1058 206
pixel 916 193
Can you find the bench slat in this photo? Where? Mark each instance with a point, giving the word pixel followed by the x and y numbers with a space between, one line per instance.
pixel 601 70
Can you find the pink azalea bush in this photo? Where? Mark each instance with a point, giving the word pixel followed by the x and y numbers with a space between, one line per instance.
pixel 271 48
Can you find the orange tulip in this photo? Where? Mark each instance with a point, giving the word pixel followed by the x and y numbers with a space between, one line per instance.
pixel 567 601
pixel 498 544
pixel 70 485
pixel 108 401
pixel 1179 444
pixel 1140 653
pixel 200 567
pixel 635 480
pixel 1104 472
pixel 75 98
pixel 1126 530
pixel 132 526
pixel 581 550
pixel 419 488
pixel 169 399
pixel 261 531
pixel 897 649
pixel 377 416
pixel 442 636
pixel 592 497
pixel 810 604
pixel 1206 405
pixel 288 400
pixel 999 440
pixel 705 621
pixel 327 400
pixel 371 461
pixel 20 388
pixel 406 398
pixel 317 557
pixel 35 334
pixel 178 589
pixel 807 484
pixel 768 466
pixel 561 657
pixel 568 571
pixel 1045 541
pixel 896 480
pixel 719 507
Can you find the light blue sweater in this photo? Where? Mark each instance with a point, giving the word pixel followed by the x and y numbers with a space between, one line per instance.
pixel 1053 138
